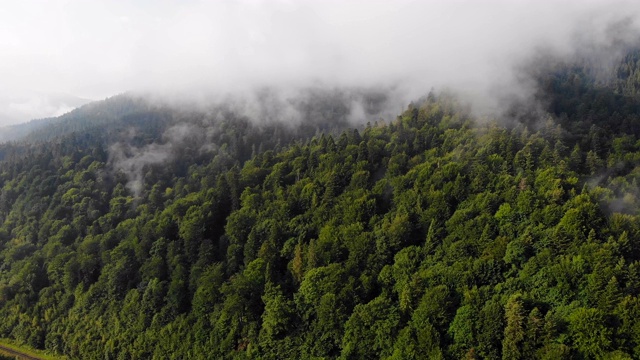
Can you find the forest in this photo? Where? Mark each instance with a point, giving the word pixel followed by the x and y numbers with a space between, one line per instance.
pixel 135 231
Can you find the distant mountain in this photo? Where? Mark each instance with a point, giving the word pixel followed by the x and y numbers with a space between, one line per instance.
pixel 83 117
pixel 309 107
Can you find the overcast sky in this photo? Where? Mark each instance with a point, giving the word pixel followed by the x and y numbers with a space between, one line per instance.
pixel 53 51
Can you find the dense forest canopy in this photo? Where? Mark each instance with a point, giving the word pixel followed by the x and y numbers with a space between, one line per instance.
pixel 131 231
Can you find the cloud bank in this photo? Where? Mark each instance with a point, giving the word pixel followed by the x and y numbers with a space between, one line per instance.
pixel 190 48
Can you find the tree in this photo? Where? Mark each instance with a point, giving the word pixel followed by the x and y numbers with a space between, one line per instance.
pixel 514 331
pixel 370 330
pixel 589 332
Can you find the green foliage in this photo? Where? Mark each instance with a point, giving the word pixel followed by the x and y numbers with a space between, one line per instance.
pixel 591 336
pixel 423 238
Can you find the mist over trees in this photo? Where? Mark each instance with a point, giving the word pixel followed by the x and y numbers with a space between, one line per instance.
pixel 132 229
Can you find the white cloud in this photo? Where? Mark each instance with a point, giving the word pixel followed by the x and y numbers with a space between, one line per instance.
pixel 25 105
pixel 98 48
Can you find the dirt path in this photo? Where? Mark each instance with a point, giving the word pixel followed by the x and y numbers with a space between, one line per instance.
pixel 18 354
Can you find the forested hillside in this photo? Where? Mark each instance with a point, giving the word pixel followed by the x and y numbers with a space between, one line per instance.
pixel 82 118
pixel 321 108
pixel 175 235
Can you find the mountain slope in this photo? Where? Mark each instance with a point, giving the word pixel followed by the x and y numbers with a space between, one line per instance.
pixel 318 107
pixel 80 119
pixel 431 236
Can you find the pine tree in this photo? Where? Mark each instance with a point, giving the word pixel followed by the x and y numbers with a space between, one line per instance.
pixel 514 332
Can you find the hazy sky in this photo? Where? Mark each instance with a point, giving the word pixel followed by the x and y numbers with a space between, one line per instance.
pixel 95 49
